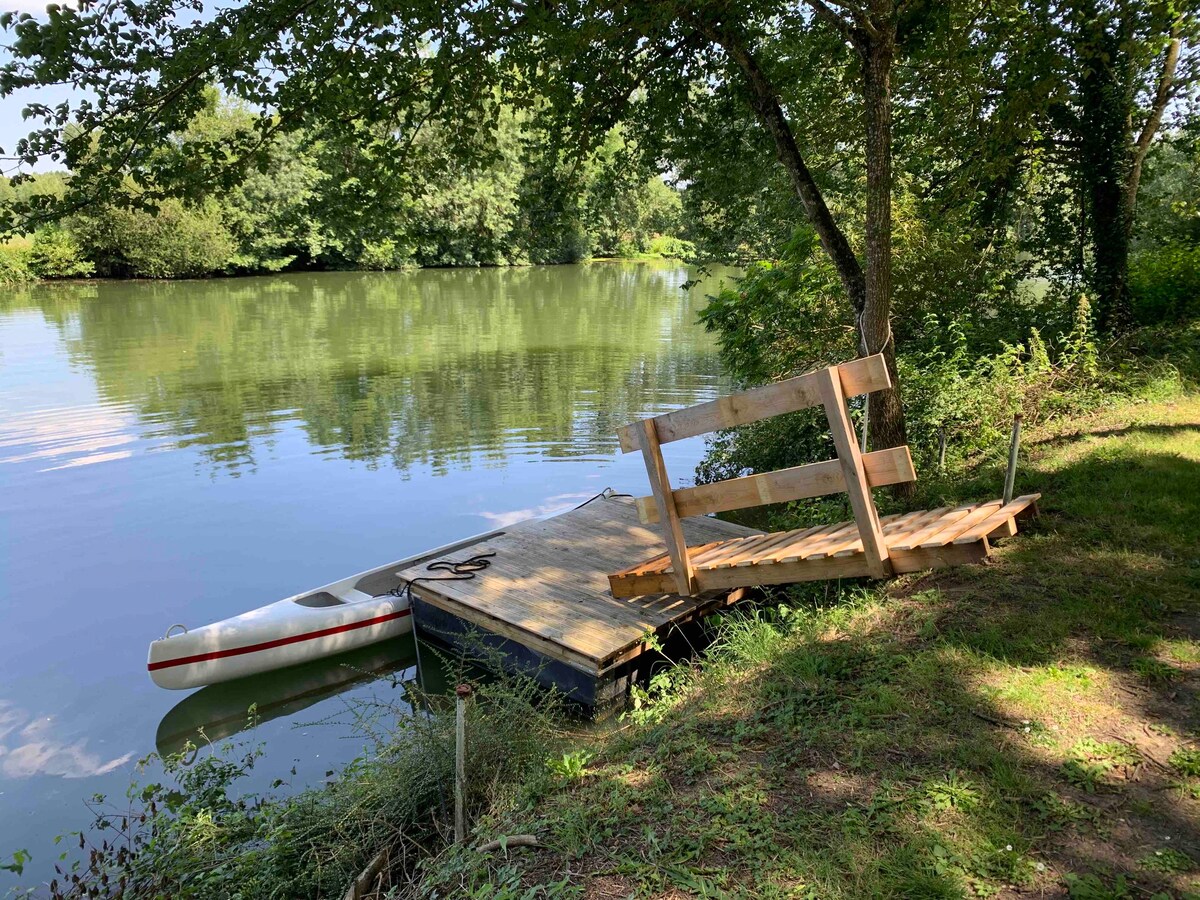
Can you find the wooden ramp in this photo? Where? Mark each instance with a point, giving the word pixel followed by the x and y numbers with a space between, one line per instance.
pixel 545 600
pixel 927 539
pixel 867 546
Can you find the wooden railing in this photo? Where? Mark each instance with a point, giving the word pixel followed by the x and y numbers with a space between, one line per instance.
pixel 853 472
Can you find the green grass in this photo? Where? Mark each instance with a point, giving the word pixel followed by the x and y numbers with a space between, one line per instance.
pixel 1025 726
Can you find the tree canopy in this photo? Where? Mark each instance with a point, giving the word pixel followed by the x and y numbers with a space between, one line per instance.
pixel 902 135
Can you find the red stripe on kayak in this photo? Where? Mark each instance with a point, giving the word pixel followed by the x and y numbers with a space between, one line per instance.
pixel 278 642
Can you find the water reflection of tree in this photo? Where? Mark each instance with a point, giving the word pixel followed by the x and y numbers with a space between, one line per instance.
pixel 436 367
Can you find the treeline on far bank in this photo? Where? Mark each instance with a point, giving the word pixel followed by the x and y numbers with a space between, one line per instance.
pixel 317 204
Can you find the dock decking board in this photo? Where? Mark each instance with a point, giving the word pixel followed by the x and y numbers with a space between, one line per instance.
pixel 547 587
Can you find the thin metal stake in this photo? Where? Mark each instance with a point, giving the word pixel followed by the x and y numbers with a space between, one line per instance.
pixel 463 694
pixel 1011 475
pixel 941 451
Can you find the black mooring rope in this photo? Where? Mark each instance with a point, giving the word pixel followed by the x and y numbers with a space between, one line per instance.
pixel 608 494
pixel 464 570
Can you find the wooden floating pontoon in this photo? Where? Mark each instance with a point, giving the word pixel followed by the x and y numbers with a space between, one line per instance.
pixel 544 602
pixel 867 546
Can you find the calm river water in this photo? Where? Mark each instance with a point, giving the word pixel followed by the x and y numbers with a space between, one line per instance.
pixel 182 452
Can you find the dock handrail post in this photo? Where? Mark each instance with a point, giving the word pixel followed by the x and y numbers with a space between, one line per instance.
pixel 1013 445
pixel 462 694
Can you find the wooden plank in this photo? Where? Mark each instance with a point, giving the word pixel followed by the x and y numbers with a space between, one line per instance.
pixel 846 441
pixel 942 557
pixel 753 550
pixel 660 485
pixel 545 592
pixel 724 548
pixel 733 550
pixel 899 528
pixel 784 573
pixel 883 467
pixel 813 544
pixel 585 628
pixel 859 376
pixel 780 545
pixel 550 577
pixel 833 567
pixel 947 533
pixel 913 539
pixel 782 539
pixel 628 586
pixel 527 586
pixel 654 565
pixel 945 515
pixel 854 545
pixel 720 600
pixel 1009 528
pixel 1006 529
pixel 997 520
pixel 727 531
pixel 547 588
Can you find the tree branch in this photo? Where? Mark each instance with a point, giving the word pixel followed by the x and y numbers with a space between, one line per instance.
pixel 826 14
pixel 764 100
pixel 1162 96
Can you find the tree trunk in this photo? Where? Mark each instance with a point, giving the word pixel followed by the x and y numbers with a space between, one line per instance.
pixel 1166 86
pixel 765 102
pixel 1111 158
pixel 870 293
pixel 876 50
pixel 1106 138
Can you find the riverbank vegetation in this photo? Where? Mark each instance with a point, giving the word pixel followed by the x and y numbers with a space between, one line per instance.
pixel 325 204
pixel 1025 726
pixel 188 828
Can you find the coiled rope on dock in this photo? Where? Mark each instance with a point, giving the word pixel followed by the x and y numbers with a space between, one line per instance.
pixel 463 570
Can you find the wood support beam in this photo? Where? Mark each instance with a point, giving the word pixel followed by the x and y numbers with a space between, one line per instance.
pixel 660 484
pixel 845 439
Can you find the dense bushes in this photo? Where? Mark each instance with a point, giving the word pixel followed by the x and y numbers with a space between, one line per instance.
pixel 14 262
pixel 176 241
pixel 50 253
pixel 1165 283
pixel 963 375
pixel 55 253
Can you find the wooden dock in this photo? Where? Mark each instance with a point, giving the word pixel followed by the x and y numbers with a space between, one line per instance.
pixel 545 602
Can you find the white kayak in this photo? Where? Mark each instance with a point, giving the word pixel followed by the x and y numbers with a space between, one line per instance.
pixel 345 615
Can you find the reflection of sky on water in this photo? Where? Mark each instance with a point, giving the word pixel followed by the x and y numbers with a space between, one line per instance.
pixel 554 504
pixel 68 437
pixel 28 747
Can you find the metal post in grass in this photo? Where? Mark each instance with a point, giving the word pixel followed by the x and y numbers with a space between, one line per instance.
pixel 463 695
pixel 941 451
pixel 1013 445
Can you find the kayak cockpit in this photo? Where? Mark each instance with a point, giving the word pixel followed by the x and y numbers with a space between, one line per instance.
pixel 319 600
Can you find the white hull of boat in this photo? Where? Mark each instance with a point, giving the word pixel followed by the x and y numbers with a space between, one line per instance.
pixel 288 632
pixel 281 634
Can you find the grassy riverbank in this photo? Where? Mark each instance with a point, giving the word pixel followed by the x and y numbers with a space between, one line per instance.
pixel 1027 726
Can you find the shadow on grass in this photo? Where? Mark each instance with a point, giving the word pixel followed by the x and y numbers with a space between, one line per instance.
pixel 1144 428
pixel 994 730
